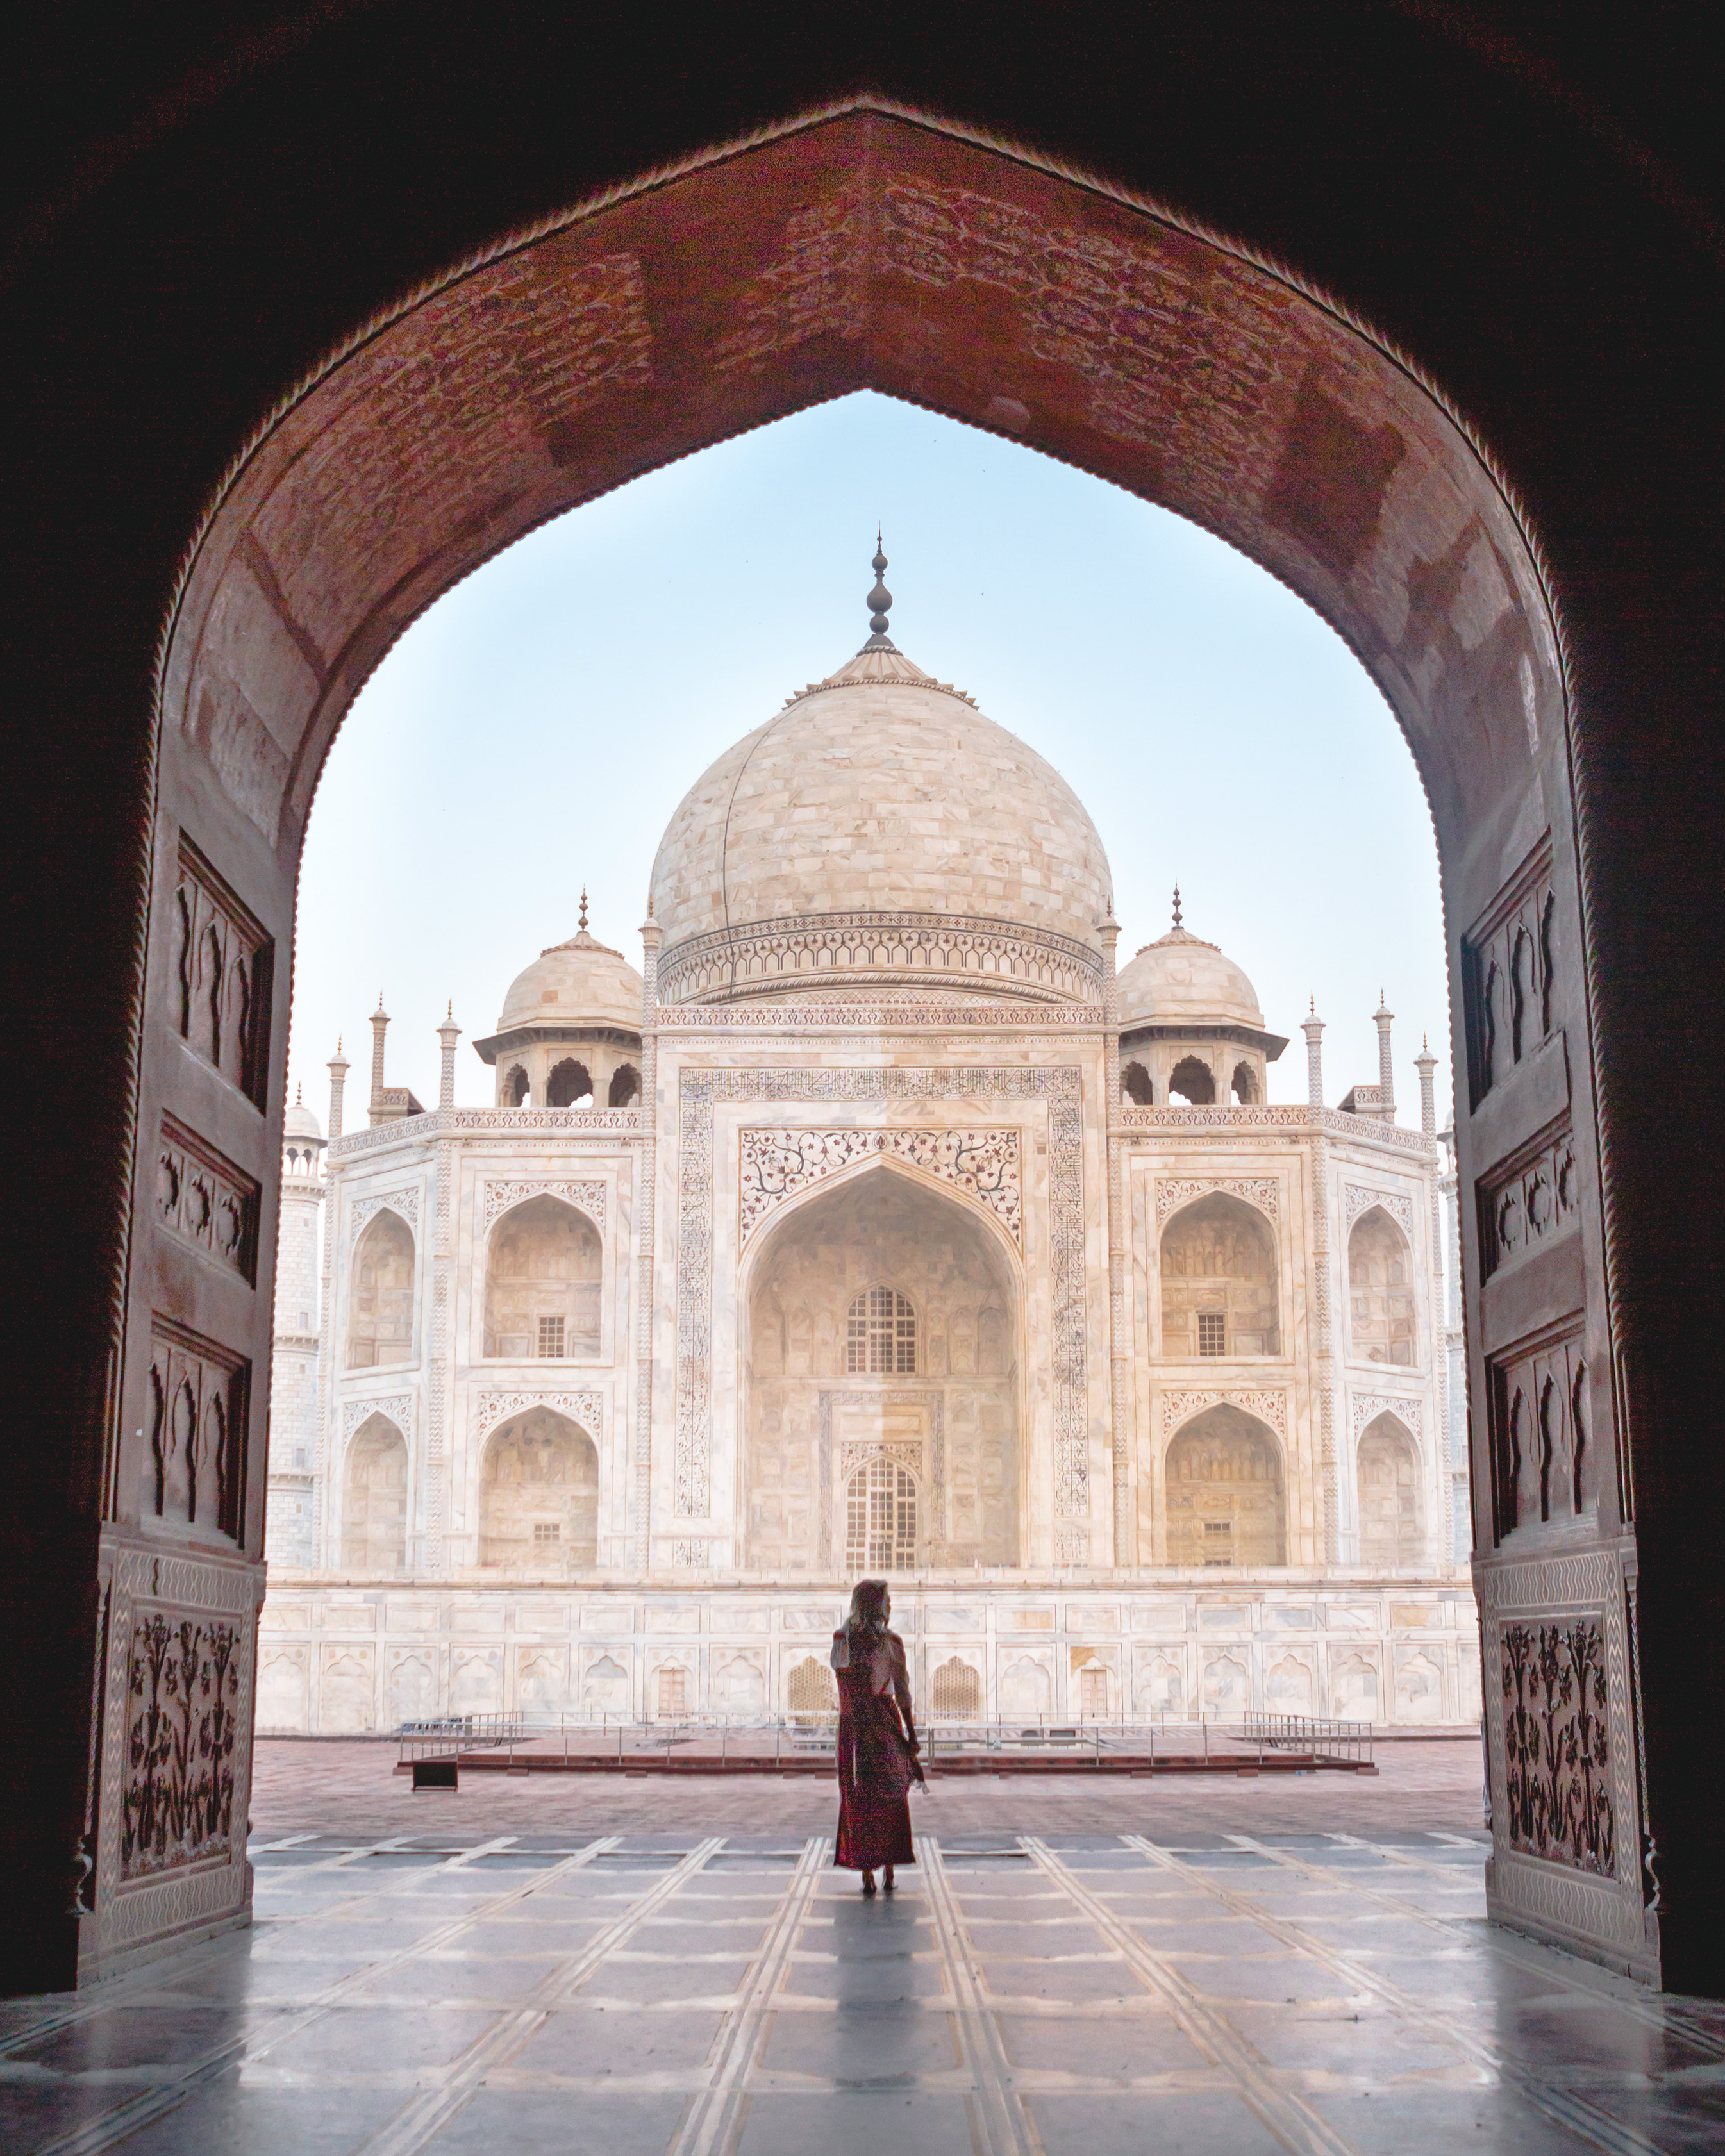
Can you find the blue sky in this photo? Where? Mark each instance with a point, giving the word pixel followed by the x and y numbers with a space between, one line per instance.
pixel 534 730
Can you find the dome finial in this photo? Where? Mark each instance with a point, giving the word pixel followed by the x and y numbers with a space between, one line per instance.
pixel 1176 905
pixel 583 907
pixel 879 600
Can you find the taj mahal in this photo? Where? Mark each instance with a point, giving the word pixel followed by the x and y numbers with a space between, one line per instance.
pixel 882 1221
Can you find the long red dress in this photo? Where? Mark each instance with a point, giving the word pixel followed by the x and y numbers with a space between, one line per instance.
pixel 877 1751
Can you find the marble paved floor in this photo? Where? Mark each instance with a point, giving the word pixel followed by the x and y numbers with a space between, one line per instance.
pixel 1075 1995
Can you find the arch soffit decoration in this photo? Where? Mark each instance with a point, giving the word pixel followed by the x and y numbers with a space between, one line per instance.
pixel 396 1410
pixel 403 1205
pixel 866 246
pixel 761 1244
pixel 1261 1194
pixel 498 1200
pixel 1267 1411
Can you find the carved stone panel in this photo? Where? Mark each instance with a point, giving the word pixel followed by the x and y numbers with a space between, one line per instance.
pixel 224 971
pixel 194 1464
pixel 1263 1191
pixel 1542 1468
pixel 1508 970
pixel 1557 1747
pixel 204 1199
pixel 1533 1197
pixel 183 1687
pixel 777 1165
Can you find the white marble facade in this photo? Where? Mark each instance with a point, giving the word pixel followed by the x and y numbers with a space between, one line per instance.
pixel 877 1225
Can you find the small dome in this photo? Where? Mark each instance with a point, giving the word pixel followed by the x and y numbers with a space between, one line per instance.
pixel 301 1123
pixel 881 792
pixel 1181 980
pixel 581 983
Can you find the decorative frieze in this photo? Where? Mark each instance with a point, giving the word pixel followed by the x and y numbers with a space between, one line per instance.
pixel 1307 1122
pixel 497 1198
pixel 405 1202
pixel 1357 1198
pixel 488 1122
pixel 883 1015
pixel 395 1407
pixel 1367 1407
pixel 1263 1191
pixel 945 951
pixel 1268 1406
pixel 778 1164
pixel 585 1407
pixel 204 1199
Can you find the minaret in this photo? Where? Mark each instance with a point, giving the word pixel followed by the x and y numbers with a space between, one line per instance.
pixel 380 1021
pixel 293 1353
pixel 1386 1070
pixel 1313 1029
pixel 1425 1063
pixel 449 1033
pixel 1120 1365
pixel 339 1067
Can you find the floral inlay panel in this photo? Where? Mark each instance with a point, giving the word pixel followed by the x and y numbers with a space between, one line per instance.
pixel 1556 1748
pixel 184 1693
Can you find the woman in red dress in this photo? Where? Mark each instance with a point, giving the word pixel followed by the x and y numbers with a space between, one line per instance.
pixel 877 1740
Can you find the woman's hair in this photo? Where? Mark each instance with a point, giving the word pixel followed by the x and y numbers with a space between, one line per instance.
pixel 868 1606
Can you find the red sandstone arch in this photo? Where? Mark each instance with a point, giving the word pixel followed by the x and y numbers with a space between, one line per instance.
pixel 870 247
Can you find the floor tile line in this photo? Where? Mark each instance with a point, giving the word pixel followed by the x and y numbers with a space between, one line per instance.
pixel 1577 1976
pixel 96 2134
pixel 433 2108
pixel 1007 2127
pixel 712 2124
pixel 1563 2107
pixel 1282 2110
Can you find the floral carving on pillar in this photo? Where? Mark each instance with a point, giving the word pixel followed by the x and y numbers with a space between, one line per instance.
pixel 177 1796
pixel 1556 1750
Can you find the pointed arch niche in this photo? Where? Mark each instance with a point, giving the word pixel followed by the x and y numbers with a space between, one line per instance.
pixel 1223 1496
pixel 544 1277
pixel 380 1301
pixel 374 1500
pixel 1382 1309
pixel 1392 1512
pixel 1220 1293
pixel 539 1495
pixel 883 1321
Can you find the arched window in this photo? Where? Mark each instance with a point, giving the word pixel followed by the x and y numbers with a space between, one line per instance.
pixel 1134 1084
pixel 568 1085
pixel 811 1691
pixel 1223 1490
pixel 1388 1479
pixel 374 1511
pixel 544 1275
pixel 880 1517
pixel 1382 1304
pixel 539 1495
pixel 625 1086
pixel 1245 1084
pixel 380 1310
pixel 1218 1285
pixel 514 1086
pixel 1193 1081
pixel 956 1692
pixel 880 1333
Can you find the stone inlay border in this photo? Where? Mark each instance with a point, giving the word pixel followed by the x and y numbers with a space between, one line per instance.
pixel 700 1092
pixel 777 1164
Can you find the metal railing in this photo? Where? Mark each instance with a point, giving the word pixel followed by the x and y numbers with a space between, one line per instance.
pixel 759 1738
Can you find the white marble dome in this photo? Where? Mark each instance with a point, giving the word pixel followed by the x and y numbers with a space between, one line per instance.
pixel 300 1123
pixel 1181 980
pixel 580 982
pixel 881 791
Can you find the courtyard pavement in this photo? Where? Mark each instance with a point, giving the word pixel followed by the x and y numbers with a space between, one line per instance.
pixel 1196 1976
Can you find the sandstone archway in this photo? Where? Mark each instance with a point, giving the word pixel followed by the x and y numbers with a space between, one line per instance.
pixel 867 248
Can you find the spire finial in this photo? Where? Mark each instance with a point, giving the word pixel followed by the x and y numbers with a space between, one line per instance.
pixel 300 1095
pixel 583 905
pixel 1312 1005
pixel 879 600
pixel 450 1009
pixel 1176 905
